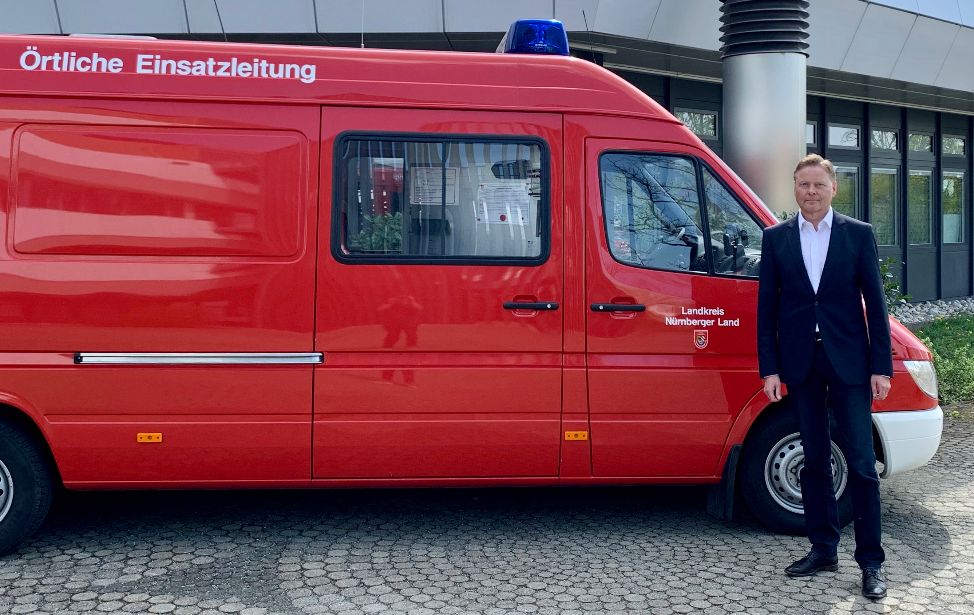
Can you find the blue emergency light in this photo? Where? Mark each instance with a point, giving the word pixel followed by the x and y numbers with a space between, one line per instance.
pixel 537 36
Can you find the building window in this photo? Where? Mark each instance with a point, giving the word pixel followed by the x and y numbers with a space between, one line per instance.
pixel 811 130
pixel 921 143
pixel 885 139
pixel 701 123
pixel 954 146
pixel 884 205
pixel 953 206
pixel 422 199
pixel 844 136
pixel 919 204
pixel 846 199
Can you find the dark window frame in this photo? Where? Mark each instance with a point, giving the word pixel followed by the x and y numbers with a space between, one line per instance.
pixel 963 140
pixel 883 168
pixel 881 150
pixel 848 148
pixel 921 153
pixel 859 205
pixel 443 139
pixel 705 138
pixel 813 124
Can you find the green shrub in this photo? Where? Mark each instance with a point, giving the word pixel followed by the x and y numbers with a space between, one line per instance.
pixel 891 286
pixel 951 339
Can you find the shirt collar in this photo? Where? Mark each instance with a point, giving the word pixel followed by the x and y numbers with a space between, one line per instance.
pixel 827 221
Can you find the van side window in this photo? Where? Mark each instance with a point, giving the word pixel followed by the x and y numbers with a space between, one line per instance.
pixel 652 211
pixel 417 199
pixel 734 235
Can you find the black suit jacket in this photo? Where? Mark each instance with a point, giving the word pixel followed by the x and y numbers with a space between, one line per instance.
pixel 858 345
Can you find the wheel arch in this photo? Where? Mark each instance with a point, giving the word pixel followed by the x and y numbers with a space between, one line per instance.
pixel 16 414
pixel 756 409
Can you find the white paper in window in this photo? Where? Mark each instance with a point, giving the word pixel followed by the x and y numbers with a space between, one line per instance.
pixel 504 202
pixel 426 185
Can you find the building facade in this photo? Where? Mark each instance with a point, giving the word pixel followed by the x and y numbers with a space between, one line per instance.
pixel 889 82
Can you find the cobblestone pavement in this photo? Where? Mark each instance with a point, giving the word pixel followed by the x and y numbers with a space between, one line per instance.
pixel 485 551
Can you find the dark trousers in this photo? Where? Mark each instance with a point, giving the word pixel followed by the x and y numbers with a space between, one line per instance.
pixel 851 408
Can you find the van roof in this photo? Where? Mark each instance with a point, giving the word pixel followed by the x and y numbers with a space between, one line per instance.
pixel 331 75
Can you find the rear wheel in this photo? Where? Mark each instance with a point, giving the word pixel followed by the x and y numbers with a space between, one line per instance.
pixel 26 486
pixel 770 478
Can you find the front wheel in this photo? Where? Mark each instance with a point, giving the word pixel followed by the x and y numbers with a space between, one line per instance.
pixel 26 486
pixel 770 475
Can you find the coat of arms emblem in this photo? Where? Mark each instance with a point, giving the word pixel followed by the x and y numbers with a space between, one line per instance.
pixel 700 338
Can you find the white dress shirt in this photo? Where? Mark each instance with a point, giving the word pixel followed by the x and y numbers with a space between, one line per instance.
pixel 815 246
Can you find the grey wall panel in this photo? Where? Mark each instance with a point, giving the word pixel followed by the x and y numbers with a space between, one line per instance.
pixel 633 18
pixel 19 17
pixel 948 10
pixel 906 5
pixel 691 23
pixel 123 16
pixel 245 16
pixel 203 17
pixel 925 50
pixel 380 15
pixel 492 16
pixel 570 13
pixel 956 72
pixel 831 26
pixel 879 41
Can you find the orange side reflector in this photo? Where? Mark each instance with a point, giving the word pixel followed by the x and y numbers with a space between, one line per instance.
pixel 148 437
pixel 576 435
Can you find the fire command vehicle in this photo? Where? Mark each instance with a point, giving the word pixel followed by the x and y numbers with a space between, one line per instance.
pixel 252 266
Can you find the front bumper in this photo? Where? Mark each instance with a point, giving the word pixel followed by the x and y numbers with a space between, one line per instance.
pixel 909 438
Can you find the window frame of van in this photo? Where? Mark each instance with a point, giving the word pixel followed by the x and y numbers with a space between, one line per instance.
pixel 337 228
pixel 698 166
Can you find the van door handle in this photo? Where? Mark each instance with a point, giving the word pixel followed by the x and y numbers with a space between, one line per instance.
pixel 532 305
pixel 618 307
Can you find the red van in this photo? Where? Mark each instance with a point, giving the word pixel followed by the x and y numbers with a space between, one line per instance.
pixel 252 266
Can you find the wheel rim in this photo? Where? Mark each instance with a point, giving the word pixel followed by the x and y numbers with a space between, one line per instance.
pixel 6 490
pixel 782 472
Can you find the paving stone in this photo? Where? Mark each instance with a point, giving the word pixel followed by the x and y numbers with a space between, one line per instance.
pixel 450 552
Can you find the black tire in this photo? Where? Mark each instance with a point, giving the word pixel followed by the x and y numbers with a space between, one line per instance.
pixel 27 483
pixel 770 488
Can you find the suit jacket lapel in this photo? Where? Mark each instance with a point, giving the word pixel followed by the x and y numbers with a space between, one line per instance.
pixel 836 241
pixel 795 250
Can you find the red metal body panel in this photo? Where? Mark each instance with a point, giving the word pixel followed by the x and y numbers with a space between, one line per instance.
pixel 659 406
pixel 248 204
pixel 425 373
pixel 361 77
pixel 124 200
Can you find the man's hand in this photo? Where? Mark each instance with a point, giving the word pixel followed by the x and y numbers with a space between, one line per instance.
pixel 879 384
pixel 772 387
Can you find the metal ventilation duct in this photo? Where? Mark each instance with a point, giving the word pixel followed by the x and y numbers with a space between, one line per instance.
pixel 763 26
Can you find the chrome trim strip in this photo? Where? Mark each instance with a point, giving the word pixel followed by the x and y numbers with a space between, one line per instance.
pixel 199 358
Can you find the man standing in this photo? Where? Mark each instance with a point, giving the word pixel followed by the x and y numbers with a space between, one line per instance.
pixel 817 268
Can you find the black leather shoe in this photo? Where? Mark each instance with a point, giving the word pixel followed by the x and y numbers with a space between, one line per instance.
pixel 812 563
pixel 873 585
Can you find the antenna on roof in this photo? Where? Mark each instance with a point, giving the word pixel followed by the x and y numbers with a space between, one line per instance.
pixel 595 58
pixel 363 25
